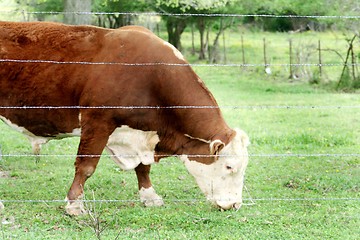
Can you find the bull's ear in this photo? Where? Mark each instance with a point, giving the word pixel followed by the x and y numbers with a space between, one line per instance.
pixel 216 146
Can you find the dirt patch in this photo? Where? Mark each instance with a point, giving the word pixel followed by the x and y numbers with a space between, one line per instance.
pixel 4 174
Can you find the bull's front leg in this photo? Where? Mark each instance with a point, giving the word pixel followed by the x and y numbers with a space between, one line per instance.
pixel 84 168
pixel 92 142
pixel 147 193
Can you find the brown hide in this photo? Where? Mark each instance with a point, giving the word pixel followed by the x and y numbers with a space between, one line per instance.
pixel 96 85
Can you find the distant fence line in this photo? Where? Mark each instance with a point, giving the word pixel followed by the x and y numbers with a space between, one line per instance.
pixel 183 14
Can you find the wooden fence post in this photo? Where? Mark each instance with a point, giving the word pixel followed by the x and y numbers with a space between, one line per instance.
pixel 192 40
pixel 267 68
pixel 242 50
pixel 158 29
pixel 290 59
pixel 320 59
pixel 224 47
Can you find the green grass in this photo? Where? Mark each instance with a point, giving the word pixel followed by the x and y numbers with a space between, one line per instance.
pixel 295 197
pixel 187 215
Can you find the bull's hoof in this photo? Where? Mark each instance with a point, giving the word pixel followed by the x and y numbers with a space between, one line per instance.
pixel 75 208
pixel 149 197
pixel 153 202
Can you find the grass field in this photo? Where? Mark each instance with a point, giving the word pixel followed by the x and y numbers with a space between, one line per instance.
pixel 294 190
pixel 287 197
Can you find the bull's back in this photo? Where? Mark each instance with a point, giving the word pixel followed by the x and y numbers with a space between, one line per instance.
pixel 50 64
pixel 31 73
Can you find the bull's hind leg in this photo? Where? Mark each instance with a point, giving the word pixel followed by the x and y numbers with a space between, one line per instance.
pixel 147 193
pixel 92 142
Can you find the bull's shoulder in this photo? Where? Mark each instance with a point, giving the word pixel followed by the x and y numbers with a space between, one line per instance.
pixel 134 39
pixel 136 28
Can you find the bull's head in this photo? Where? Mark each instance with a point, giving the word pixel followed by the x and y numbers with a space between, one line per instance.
pixel 222 181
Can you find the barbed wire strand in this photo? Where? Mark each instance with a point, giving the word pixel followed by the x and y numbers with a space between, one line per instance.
pixel 189 107
pixel 271 155
pixel 181 64
pixel 250 200
pixel 181 14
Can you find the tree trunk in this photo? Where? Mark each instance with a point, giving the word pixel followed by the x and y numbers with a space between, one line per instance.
pixel 71 6
pixel 201 27
pixel 213 51
pixel 175 27
pixel 192 40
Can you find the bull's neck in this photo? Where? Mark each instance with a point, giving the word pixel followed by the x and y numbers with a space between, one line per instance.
pixel 197 112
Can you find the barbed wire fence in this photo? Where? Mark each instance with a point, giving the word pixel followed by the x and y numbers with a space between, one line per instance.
pixel 250 200
pixel 183 14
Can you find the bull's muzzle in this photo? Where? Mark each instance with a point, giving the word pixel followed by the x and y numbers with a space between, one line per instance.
pixel 227 205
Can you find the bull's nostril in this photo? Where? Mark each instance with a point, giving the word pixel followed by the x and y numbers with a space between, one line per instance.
pixel 237 206
pixel 223 206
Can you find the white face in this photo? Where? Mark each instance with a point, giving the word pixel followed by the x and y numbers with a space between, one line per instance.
pixel 222 181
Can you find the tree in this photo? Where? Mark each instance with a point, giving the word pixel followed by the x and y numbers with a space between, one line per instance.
pixel 41 6
pixel 219 24
pixel 176 24
pixel 113 7
pixel 73 6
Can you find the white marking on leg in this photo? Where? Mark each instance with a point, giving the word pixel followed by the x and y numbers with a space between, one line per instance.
pixel 75 207
pixel 149 197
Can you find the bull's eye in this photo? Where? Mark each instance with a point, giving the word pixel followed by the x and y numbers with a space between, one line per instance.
pixel 229 167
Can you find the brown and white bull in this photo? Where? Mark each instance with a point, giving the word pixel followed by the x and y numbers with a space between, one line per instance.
pixel 125 90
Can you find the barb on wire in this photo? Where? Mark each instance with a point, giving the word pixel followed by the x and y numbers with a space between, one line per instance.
pixel 239 15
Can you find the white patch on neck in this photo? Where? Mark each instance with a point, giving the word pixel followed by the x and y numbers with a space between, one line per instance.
pixel 176 52
pixel 129 147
